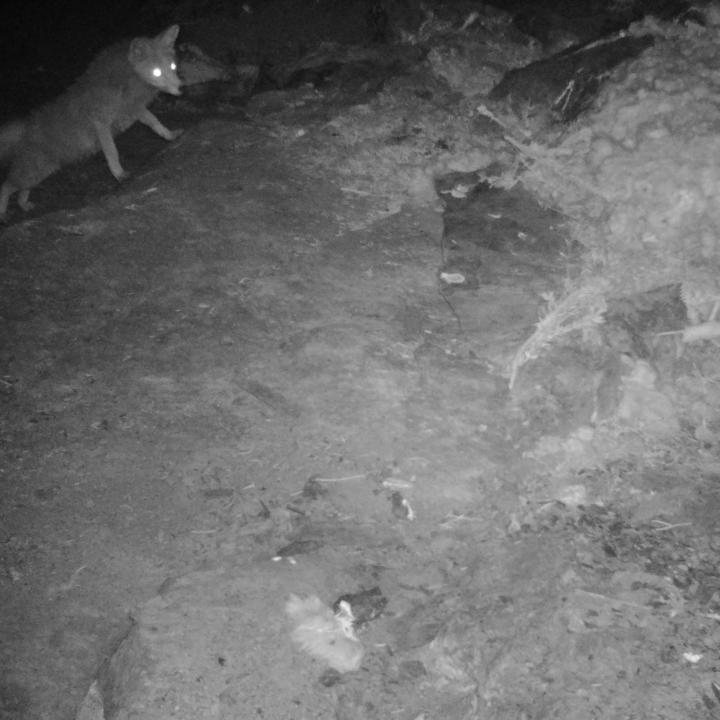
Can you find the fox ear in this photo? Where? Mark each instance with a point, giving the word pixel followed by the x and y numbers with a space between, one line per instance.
pixel 139 49
pixel 169 36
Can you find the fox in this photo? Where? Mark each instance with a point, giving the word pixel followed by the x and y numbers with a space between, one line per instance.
pixel 111 95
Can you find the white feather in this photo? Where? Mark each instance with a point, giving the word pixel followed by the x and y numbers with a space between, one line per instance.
pixel 323 635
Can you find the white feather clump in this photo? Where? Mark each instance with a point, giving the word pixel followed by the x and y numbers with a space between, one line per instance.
pixel 323 634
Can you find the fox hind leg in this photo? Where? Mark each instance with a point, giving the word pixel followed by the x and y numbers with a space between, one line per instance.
pixel 30 167
pixel 5 192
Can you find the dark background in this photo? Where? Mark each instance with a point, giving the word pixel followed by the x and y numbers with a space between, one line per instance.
pixel 44 46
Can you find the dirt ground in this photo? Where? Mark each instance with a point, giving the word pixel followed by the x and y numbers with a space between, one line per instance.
pixel 220 381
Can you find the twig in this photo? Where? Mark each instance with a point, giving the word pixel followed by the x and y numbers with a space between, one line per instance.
pixel 453 311
pixel 340 479
pixel 667 526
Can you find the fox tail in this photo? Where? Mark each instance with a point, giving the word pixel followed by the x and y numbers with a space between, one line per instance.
pixel 10 137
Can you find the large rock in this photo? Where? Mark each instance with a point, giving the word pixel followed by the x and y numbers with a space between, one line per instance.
pixel 217 644
pixel 563 85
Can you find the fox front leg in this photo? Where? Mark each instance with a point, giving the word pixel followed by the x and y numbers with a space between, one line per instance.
pixel 110 151
pixel 147 118
pixel 24 200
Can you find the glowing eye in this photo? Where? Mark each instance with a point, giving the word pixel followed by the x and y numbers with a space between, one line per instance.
pixel 173 66
pixel 157 72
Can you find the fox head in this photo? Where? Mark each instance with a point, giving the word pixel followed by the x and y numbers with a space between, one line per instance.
pixel 153 59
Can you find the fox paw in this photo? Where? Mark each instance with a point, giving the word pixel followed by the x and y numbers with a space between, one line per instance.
pixel 121 176
pixel 174 134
